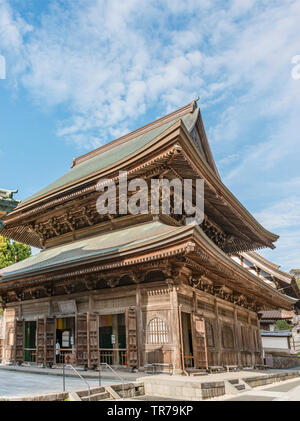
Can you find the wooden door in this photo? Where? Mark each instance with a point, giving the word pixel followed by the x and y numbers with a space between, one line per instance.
pixel 199 341
pixel 19 347
pixel 93 340
pixel 81 339
pixel 50 341
pixel 131 337
pixel 40 341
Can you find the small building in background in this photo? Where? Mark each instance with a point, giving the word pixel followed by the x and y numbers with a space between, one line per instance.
pixel 272 275
pixel 281 341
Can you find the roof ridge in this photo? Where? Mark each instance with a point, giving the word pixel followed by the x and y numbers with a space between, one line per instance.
pixel 138 132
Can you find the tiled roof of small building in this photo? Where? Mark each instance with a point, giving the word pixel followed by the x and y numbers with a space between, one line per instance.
pixel 276 314
pixel 280 333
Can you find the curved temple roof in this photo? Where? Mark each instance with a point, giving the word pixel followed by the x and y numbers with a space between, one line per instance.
pixel 119 149
pixel 133 244
pixel 183 126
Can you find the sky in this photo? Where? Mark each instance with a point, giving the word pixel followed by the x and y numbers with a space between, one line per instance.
pixel 82 73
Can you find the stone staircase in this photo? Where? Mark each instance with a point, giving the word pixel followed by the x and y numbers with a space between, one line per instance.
pixel 196 372
pixel 112 392
pixel 237 385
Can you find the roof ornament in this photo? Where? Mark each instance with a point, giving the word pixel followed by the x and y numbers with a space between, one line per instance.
pixel 7 194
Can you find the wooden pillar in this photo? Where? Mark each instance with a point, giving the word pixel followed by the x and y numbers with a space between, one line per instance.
pixel 176 333
pixel 219 334
pixel 91 303
pixel 237 338
pixel 250 336
pixel 260 340
pixel 116 337
pixel 139 326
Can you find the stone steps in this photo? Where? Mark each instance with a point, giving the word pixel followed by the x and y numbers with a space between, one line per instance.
pixel 97 397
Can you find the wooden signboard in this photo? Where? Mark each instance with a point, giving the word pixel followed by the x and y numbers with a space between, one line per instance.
pixel 93 340
pixel 131 337
pixel 81 340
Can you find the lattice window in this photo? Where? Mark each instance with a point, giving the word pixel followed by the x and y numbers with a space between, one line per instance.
pixel 227 337
pixel 210 338
pixel 157 332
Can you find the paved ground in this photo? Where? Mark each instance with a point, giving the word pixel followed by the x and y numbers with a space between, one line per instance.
pixel 285 391
pixel 23 384
pixel 89 374
pixel 35 380
pixel 216 377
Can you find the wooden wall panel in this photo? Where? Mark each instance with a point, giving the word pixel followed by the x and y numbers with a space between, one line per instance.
pixel 19 341
pixel 50 341
pixel 40 341
pixel 93 340
pixel 131 338
pixel 81 339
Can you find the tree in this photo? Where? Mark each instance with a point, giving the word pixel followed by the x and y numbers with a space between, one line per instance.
pixel 282 325
pixel 12 252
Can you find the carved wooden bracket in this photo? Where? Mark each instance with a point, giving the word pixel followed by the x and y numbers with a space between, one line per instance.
pixel 112 282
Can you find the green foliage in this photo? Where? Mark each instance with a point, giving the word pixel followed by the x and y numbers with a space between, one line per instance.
pixel 12 252
pixel 282 325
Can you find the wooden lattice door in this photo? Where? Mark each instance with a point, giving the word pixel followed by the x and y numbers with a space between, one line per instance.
pixel 199 342
pixel 19 347
pixel 50 338
pixel 40 341
pixel 81 339
pixel 131 337
pixel 93 340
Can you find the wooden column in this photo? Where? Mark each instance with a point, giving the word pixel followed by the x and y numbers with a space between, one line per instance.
pixel 116 335
pixel 219 333
pixel 237 338
pixel 250 336
pixel 139 326
pixel 260 340
pixel 175 317
pixel 91 303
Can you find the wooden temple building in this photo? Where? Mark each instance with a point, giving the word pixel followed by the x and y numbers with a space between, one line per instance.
pixel 136 289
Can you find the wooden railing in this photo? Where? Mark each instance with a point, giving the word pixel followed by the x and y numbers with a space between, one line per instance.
pixel 116 356
pixel 61 358
pixel 188 361
pixel 191 362
pixel 30 355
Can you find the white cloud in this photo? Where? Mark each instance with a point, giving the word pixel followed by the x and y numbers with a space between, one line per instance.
pixel 106 63
pixel 283 214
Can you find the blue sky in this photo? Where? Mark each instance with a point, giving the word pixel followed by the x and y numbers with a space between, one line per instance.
pixel 81 73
